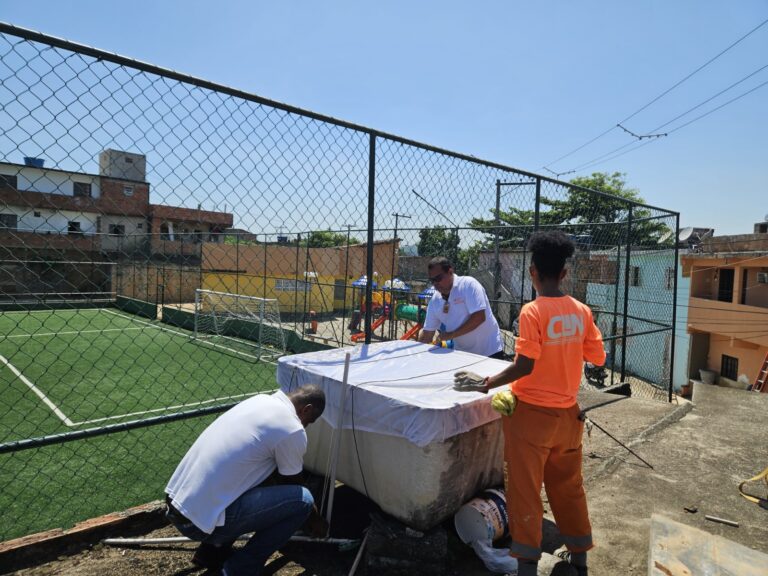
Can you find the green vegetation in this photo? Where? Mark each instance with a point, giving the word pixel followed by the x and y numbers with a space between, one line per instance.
pixel 100 367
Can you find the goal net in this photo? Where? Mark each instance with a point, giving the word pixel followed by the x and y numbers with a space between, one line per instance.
pixel 245 325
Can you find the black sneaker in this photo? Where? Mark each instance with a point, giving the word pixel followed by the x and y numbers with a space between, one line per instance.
pixel 211 557
pixel 564 554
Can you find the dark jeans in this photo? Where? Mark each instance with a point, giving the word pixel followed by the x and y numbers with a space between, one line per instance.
pixel 272 513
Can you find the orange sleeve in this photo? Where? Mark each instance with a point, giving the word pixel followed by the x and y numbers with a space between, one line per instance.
pixel 529 342
pixel 594 350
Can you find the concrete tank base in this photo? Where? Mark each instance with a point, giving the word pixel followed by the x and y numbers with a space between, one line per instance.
pixel 420 487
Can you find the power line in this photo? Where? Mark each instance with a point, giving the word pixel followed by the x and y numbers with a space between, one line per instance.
pixel 699 69
pixel 608 155
pixel 657 98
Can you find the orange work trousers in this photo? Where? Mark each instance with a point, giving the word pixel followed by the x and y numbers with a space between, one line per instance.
pixel 543 445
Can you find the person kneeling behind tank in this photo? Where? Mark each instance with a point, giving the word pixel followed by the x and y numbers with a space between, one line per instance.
pixel 244 474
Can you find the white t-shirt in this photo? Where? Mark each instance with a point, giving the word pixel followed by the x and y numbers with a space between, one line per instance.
pixel 238 451
pixel 467 296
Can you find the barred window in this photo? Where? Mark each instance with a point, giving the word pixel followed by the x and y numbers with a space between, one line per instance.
pixel 81 188
pixel 117 229
pixel 634 276
pixel 729 367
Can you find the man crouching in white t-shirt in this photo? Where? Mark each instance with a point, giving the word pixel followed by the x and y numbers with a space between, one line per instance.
pixel 244 474
pixel 461 311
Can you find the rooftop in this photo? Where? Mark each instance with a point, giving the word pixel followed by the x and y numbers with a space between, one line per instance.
pixel 699 451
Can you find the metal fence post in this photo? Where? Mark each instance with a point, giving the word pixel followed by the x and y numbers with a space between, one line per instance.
pixel 674 312
pixel 627 262
pixel 371 223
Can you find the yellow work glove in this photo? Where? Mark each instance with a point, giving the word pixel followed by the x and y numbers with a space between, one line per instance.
pixel 504 402
pixel 464 381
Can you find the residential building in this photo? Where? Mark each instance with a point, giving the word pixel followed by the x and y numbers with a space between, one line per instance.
pixel 59 229
pixel 728 306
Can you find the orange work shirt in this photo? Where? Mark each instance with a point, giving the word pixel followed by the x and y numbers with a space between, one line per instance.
pixel 559 333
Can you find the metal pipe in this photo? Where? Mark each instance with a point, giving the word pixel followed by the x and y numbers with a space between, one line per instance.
pixel 337 441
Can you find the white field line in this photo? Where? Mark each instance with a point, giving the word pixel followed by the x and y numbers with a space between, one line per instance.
pixel 33 335
pixel 38 392
pixel 70 423
pixel 153 410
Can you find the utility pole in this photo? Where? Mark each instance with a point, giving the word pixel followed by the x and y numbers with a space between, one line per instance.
pixel 392 329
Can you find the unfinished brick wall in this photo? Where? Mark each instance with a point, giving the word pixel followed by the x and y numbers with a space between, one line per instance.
pixel 156 283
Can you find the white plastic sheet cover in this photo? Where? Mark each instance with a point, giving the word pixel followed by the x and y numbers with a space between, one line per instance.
pixel 399 388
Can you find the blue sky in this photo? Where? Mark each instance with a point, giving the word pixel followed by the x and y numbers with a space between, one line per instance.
pixel 520 83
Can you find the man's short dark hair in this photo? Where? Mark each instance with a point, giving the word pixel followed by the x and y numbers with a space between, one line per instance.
pixel 550 251
pixel 309 394
pixel 440 261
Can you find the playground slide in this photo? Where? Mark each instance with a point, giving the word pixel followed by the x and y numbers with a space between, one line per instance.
pixel 361 335
pixel 413 331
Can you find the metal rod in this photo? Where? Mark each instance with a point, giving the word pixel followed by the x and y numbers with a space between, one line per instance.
pixel 359 555
pixel 371 223
pixel 722 521
pixel 674 312
pixel 584 417
pixel 184 540
pixel 41 441
pixel 296 286
pixel 337 440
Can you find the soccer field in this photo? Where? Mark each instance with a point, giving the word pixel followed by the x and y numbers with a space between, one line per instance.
pixel 69 370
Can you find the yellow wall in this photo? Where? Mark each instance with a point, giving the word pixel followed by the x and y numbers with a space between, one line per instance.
pixel 318 297
pixel 750 356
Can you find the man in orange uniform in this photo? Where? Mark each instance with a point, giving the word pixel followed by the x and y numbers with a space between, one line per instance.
pixel 543 435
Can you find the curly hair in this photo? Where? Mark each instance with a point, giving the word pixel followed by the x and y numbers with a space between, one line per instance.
pixel 550 251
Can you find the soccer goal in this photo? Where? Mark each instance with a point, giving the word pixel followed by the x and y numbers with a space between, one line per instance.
pixel 245 325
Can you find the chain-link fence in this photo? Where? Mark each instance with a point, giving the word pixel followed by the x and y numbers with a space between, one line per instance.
pixel 164 238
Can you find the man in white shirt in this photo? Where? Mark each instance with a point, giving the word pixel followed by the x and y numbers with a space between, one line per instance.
pixel 244 474
pixel 460 305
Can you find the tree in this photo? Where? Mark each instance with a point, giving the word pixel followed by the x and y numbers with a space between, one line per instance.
pixel 438 241
pixel 327 239
pixel 601 217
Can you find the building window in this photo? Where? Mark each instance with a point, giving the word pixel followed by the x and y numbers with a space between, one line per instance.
pixel 8 180
pixel 634 276
pixel 9 221
pixel 128 190
pixel 164 232
pixel 198 236
pixel 37 214
pixel 140 226
pixel 73 228
pixel 729 367
pixel 81 188
pixel 117 229
pixel 669 278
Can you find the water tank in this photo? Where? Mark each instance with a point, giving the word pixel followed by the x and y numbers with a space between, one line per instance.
pixel 34 162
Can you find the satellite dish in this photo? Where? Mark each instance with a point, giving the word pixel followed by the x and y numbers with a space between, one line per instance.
pixel 685 234
pixel 664 237
pixel 706 234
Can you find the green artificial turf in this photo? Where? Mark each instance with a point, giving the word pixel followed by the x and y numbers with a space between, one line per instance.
pixel 100 367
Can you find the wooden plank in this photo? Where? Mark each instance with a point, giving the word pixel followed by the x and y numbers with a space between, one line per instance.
pixel 680 550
